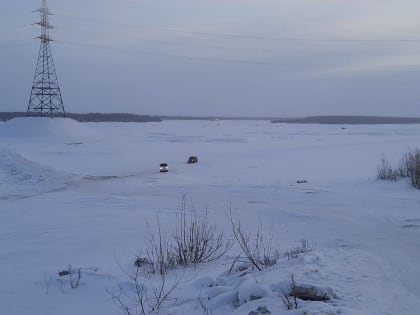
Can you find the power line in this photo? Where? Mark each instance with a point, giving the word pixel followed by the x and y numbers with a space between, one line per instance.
pixel 255 37
pixel 196 59
pixel 189 58
pixel 233 62
pixel 16 43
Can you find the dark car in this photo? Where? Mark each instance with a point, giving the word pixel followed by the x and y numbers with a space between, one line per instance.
pixel 192 160
pixel 163 167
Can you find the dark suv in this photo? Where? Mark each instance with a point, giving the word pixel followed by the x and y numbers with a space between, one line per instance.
pixel 192 160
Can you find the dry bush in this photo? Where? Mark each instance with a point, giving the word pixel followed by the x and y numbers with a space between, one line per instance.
pixel 146 295
pixel 289 301
pixel 412 167
pixel 197 240
pixel 409 168
pixel 255 249
pixel 298 251
pixel 69 278
pixel 385 170
pixel 160 256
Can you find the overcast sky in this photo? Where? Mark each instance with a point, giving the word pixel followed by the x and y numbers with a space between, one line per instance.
pixel 220 57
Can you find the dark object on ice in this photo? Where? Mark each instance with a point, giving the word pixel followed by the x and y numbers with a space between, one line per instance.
pixel 163 167
pixel 312 293
pixel 63 273
pixel 141 261
pixel 301 181
pixel 192 160
pixel 260 310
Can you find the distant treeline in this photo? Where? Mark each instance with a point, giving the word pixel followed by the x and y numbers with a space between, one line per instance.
pixel 349 120
pixel 125 117
pixel 93 117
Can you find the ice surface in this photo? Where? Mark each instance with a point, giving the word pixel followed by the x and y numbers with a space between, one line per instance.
pixel 82 194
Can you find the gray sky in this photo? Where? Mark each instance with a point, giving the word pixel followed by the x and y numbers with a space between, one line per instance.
pixel 220 57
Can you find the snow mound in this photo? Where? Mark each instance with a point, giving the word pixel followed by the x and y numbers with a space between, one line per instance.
pixel 45 127
pixel 18 174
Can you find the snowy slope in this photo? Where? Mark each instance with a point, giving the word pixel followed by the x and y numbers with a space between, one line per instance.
pixel 19 175
pixel 81 194
pixel 37 128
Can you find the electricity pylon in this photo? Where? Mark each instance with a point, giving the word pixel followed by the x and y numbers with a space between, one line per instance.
pixel 45 99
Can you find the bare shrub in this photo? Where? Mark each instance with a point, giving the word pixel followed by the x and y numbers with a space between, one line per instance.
pixel 412 166
pixel 75 277
pixel 160 256
pixel 204 308
pixel 289 301
pixel 402 170
pixel 47 283
pixel 409 168
pixel 304 249
pixel 385 170
pixel 69 278
pixel 146 295
pixel 256 250
pixel 197 240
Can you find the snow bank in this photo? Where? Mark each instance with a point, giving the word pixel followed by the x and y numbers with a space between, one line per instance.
pixel 45 127
pixel 18 174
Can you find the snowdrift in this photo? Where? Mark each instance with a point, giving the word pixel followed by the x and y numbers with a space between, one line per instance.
pixel 19 175
pixel 64 129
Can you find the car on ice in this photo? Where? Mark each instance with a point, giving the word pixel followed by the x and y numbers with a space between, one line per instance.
pixel 163 167
pixel 192 160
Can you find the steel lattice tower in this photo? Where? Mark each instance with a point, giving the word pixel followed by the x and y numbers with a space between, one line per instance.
pixel 45 99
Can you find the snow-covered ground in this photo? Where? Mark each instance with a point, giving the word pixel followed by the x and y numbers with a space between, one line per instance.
pixel 83 195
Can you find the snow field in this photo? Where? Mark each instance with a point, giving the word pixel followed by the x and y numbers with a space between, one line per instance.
pixel 81 194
